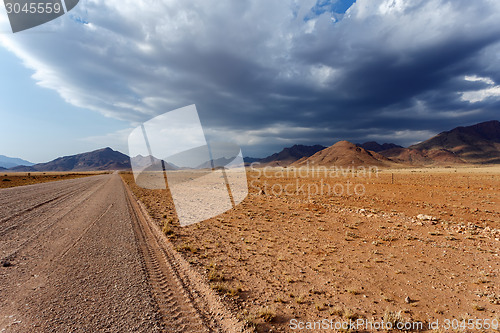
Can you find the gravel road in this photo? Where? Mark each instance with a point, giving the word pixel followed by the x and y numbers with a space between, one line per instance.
pixel 76 258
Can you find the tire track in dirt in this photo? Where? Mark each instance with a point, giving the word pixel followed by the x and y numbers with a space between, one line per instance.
pixel 83 271
pixel 178 312
pixel 13 206
pixel 186 303
pixel 85 231
pixel 27 210
pixel 17 218
pixel 34 230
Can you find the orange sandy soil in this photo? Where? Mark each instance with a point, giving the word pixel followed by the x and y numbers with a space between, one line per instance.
pixel 328 256
pixel 22 178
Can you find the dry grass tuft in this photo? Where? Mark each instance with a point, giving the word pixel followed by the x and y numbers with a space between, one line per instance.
pixel 224 289
pixel 337 311
pixel 186 247
pixel 349 314
pixel 214 273
pixel 267 315
pixel 394 317
pixel 300 300
pixel 353 291
pixel 167 228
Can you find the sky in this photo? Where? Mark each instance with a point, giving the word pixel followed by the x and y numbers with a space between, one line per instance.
pixel 264 74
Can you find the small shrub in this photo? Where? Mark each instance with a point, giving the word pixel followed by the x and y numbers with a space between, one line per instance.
pixel 300 300
pixel 279 300
pixel 167 229
pixel 353 291
pixel 248 320
pixel 267 315
pixel 349 314
pixel 394 317
pixel 186 247
pixel 320 306
pixel 214 274
pixel 225 289
pixel 336 311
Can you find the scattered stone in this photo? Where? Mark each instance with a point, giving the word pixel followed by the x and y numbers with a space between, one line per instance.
pixel 6 263
pixel 423 217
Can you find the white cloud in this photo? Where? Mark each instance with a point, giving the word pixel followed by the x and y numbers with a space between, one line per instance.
pixel 323 75
pixel 475 78
pixel 482 94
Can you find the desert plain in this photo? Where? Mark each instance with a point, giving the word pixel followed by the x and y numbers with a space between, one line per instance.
pixel 417 246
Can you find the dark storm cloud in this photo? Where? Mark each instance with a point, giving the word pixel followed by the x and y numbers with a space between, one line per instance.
pixel 274 73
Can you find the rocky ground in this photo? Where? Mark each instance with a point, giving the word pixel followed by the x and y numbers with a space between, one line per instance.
pixel 394 245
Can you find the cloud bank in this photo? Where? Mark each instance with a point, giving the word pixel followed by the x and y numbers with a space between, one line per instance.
pixel 271 73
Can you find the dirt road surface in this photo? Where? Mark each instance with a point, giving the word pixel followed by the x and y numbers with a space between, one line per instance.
pixel 77 256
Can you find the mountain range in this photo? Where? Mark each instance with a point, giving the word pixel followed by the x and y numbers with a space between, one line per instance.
pixel 10 162
pixel 476 144
pixel 102 159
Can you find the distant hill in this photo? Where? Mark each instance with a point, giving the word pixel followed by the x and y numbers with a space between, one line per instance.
pixel 149 162
pixel 344 153
pixel 23 168
pixel 290 155
pixel 417 157
pixel 143 161
pixel 10 162
pixel 102 159
pixel 478 143
pixel 377 147
pixel 220 162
